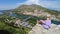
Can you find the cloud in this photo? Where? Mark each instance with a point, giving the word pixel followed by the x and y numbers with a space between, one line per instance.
pixel 33 2
pixel 51 4
pixel 29 2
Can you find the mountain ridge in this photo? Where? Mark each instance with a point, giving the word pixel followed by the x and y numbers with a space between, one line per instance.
pixel 29 10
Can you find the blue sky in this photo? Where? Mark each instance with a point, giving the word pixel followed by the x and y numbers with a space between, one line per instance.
pixel 11 4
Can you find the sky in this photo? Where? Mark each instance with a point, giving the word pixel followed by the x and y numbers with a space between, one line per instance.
pixel 11 4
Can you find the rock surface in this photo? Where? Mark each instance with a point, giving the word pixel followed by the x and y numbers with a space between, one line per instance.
pixel 38 29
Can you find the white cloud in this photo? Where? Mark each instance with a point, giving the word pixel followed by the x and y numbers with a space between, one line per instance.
pixel 33 2
pixel 51 5
pixel 29 2
pixel 48 4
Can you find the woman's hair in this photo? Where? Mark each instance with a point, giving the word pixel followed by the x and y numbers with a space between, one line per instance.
pixel 48 15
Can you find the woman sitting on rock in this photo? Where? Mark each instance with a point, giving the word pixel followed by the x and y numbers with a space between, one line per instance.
pixel 46 23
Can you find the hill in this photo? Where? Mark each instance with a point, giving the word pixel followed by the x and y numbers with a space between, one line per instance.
pixel 37 10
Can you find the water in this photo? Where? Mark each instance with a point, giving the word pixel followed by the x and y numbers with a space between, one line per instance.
pixel 1 13
pixel 18 16
pixel 55 22
pixel 11 14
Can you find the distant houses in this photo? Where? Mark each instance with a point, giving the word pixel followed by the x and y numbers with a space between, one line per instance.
pixel 22 23
pixel 35 13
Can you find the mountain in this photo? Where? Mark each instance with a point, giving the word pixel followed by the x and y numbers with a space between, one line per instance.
pixel 34 9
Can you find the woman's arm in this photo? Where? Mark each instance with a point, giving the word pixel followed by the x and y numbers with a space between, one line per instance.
pixel 41 22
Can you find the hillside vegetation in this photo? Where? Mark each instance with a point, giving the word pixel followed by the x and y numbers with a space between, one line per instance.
pixel 25 9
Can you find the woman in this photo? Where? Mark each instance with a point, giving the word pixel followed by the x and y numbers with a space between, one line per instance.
pixel 46 23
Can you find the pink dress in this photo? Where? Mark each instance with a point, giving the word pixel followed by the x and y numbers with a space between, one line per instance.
pixel 46 24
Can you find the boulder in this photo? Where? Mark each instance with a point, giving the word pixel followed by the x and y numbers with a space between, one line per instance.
pixel 38 29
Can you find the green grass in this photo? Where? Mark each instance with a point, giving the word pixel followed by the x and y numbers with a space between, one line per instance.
pixel 13 30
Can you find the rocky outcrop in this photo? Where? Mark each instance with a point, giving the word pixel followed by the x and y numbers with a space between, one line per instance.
pixel 38 29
